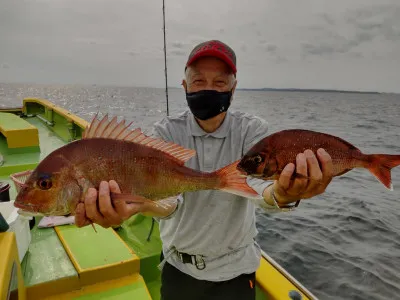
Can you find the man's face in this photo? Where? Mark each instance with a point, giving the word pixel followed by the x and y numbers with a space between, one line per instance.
pixel 209 73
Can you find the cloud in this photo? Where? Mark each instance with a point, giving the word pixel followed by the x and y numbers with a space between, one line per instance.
pixel 178 52
pixel 358 28
pixel 273 52
pixel 179 45
pixel 344 44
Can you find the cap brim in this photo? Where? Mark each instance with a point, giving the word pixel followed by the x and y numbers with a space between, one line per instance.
pixel 214 53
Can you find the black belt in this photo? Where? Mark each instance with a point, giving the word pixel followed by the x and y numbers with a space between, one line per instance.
pixel 196 260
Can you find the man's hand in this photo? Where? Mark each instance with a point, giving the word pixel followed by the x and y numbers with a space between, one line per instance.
pixel 98 207
pixel 313 183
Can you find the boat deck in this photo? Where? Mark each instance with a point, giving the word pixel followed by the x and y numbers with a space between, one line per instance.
pixel 66 262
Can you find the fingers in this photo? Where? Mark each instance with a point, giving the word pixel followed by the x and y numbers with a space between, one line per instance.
pixel 283 185
pixel 80 216
pixel 314 172
pixel 285 176
pixel 114 187
pixel 120 206
pixel 92 211
pixel 326 166
pixel 105 205
pixel 124 210
pixel 300 183
pixel 99 208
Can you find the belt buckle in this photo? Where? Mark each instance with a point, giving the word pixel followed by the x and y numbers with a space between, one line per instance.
pixel 196 260
pixel 200 263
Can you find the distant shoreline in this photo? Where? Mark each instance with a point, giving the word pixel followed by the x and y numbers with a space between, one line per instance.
pixel 175 87
pixel 308 90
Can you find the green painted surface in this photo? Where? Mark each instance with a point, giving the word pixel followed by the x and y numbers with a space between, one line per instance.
pixel 135 232
pixel 9 121
pixel 136 290
pixel 260 294
pixel 46 259
pixel 23 150
pixel 33 108
pixel 94 249
pixel 154 289
pixel 14 163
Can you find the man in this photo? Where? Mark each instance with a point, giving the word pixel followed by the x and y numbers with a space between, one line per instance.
pixel 208 236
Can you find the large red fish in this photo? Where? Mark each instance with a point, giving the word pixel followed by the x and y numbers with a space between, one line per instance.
pixel 267 158
pixel 143 166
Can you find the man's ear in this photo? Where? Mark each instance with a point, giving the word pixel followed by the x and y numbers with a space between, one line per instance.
pixel 184 84
pixel 233 89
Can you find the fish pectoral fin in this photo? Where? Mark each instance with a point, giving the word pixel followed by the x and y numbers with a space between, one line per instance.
pixel 128 198
pixel 343 172
pixel 158 207
pixel 167 202
pixel 161 207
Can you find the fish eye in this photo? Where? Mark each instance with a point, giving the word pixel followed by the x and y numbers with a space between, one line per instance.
pixel 44 183
pixel 257 159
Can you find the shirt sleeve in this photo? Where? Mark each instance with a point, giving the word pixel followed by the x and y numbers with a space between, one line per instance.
pixel 161 130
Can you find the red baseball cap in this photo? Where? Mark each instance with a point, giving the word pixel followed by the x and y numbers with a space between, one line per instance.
pixel 216 49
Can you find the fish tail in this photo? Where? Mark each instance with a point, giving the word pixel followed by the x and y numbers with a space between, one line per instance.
pixel 234 182
pixel 380 166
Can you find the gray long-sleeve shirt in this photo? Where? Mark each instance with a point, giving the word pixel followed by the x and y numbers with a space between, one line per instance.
pixel 217 225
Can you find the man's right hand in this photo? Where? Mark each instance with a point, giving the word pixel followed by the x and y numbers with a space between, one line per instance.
pixel 98 207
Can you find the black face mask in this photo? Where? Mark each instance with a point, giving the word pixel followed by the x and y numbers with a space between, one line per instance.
pixel 208 103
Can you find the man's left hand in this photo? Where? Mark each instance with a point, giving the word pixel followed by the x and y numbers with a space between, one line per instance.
pixel 314 181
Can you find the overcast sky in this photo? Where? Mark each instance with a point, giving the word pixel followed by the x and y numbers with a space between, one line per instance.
pixel 341 44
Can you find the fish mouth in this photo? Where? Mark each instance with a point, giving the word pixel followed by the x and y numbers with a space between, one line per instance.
pixel 30 213
pixel 26 206
pixel 28 210
pixel 241 169
pixel 257 175
pixel 27 213
pixel 245 172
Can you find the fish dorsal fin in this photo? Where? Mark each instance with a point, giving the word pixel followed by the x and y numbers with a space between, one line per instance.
pixel 112 129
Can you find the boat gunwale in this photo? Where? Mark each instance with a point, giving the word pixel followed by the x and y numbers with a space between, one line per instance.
pixel 287 275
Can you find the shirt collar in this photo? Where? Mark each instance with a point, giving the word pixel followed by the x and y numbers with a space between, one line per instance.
pixel 221 132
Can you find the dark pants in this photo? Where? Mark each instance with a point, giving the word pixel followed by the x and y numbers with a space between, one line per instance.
pixel 177 285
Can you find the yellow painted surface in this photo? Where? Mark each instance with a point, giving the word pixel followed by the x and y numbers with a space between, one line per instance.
pixel 95 290
pixel 53 288
pixel 9 255
pixel 275 284
pixel 97 245
pixel 68 115
pixel 11 109
pixel 17 131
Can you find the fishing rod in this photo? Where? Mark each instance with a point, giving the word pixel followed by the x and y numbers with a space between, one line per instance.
pixel 165 59
pixel 166 94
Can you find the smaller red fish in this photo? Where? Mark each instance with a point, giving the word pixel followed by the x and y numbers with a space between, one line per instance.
pixel 267 158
